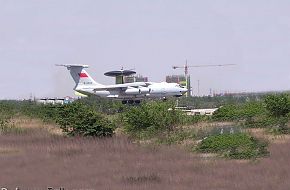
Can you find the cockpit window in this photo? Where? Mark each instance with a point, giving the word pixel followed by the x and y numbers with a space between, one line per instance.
pixel 179 85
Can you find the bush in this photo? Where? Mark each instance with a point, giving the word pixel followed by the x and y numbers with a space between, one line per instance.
pixel 74 119
pixel 7 112
pixel 151 116
pixel 226 113
pixel 5 115
pixel 235 146
pixel 278 105
pixel 78 119
pixel 260 122
pixel 240 112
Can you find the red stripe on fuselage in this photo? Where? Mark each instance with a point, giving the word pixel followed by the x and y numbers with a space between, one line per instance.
pixel 83 75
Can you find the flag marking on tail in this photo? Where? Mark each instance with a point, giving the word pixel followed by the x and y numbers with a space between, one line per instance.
pixel 83 75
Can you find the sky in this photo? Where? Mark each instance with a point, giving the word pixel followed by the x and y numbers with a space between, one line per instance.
pixel 149 36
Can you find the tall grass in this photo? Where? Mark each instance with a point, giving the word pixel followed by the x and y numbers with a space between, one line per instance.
pixel 37 160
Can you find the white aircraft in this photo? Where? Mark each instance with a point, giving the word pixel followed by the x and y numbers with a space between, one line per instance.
pixel 128 92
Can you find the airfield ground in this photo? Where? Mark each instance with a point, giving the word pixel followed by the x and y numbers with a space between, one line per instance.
pixel 40 157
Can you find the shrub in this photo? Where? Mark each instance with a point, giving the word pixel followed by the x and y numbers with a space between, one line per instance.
pixel 239 112
pixel 236 146
pixel 7 112
pixel 5 115
pixel 278 105
pixel 74 119
pixel 225 113
pixel 153 116
pixel 78 119
pixel 260 122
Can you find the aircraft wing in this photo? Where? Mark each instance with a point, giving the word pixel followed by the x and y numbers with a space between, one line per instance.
pixel 123 87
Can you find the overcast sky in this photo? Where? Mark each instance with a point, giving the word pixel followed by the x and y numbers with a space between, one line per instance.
pixel 148 35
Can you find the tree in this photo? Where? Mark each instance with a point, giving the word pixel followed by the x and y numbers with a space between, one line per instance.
pixel 279 107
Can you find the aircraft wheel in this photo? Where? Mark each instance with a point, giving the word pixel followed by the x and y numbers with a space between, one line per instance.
pixel 131 102
pixel 124 101
pixel 137 101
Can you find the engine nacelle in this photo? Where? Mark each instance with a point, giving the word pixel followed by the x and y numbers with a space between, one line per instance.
pixel 133 91
pixel 144 90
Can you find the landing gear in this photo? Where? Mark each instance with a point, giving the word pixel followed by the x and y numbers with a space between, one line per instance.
pixel 137 102
pixel 131 102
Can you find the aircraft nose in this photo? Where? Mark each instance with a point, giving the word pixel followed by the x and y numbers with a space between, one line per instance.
pixel 183 90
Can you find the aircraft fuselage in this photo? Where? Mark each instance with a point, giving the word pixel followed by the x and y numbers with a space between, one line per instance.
pixel 155 90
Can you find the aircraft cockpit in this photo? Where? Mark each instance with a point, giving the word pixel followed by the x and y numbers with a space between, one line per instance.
pixel 180 86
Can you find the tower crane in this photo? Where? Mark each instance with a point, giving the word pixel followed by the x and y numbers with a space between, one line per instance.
pixel 186 66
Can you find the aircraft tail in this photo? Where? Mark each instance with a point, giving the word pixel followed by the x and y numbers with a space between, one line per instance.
pixel 80 76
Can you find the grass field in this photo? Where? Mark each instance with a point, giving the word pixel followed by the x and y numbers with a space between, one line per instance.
pixel 39 157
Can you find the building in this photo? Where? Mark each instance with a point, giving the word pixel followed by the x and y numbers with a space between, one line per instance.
pixel 180 79
pixel 54 101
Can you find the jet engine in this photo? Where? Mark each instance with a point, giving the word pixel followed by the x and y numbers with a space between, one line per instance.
pixel 144 90
pixel 133 91
pixel 136 91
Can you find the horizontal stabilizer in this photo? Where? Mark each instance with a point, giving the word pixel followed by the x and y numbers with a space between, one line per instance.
pixel 69 66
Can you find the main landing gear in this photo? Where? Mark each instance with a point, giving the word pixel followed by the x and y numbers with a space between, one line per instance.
pixel 131 102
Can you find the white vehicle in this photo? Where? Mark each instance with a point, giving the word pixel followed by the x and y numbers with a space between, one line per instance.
pixel 128 92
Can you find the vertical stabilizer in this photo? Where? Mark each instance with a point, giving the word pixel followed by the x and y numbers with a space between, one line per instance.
pixel 80 76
